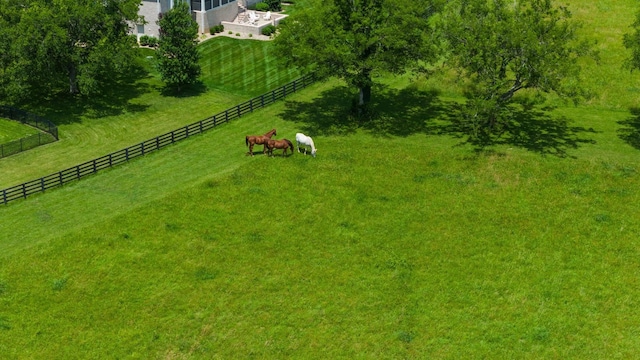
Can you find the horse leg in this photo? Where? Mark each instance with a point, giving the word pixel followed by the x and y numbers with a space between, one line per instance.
pixel 251 149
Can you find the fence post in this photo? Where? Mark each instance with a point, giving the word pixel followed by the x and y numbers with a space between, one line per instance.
pixel 142 148
pixel 42 184
pixel 294 85
pixel 110 160
pixel 251 104
pixel 226 116
pixel 126 154
pixel 60 177
pixel 262 100
pixel 24 191
pixel 4 196
pixel 214 121
pixel 94 166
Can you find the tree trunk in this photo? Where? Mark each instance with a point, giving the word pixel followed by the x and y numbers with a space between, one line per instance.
pixel 365 95
pixel 73 80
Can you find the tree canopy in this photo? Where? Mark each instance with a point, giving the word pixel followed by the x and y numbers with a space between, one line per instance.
pixel 177 51
pixel 502 47
pixel 355 39
pixel 47 44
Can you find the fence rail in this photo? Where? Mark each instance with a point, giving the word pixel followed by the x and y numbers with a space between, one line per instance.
pixel 121 156
pixel 31 141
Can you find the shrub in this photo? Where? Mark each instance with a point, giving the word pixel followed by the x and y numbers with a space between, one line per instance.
pixel 153 42
pixel 274 5
pixel 268 30
pixel 146 40
pixel 262 6
pixel 132 39
pixel 216 29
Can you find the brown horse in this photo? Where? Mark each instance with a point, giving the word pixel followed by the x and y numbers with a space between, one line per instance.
pixel 283 144
pixel 251 140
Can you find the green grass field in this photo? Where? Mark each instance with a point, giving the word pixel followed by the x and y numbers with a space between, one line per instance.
pixel 13 130
pixel 399 240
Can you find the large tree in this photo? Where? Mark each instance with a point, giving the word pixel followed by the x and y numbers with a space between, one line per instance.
pixel 355 39
pixel 505 46
pixel 177 51
pixel 53 42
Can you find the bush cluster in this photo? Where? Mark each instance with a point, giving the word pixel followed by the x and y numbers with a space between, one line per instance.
pixel 268 30
pixel 274 5
pixel 216 29
pixel 146 40
pixel 262 6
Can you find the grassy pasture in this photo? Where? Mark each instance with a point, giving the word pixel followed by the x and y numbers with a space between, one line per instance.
pixel 397 241
pixel 12 130
pixel 133 112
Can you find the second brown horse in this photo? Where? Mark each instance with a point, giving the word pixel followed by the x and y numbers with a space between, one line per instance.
pixel 251 140
pixel 283 144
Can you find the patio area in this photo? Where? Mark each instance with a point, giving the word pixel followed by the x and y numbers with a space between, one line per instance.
pixel 246 23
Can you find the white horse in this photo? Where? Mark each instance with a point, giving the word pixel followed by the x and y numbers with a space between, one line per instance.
pixel 305 141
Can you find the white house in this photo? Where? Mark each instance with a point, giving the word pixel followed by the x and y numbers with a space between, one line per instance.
pixel 206 13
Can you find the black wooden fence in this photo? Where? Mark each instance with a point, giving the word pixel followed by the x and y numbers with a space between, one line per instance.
pixel 91 167
pixel 50 131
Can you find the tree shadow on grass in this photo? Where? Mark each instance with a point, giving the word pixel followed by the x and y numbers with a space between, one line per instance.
pixel 630 130
pixel 411 111
pixel 195 89
pixel 538 131
pixel 114 98
pixel 396 112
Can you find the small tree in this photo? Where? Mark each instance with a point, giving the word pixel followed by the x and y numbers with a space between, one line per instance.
pixel 503 47
pixel 177 51
pixel 632 42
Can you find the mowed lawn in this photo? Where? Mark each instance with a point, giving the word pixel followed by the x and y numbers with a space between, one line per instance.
pixel 399 240
pixel 12 130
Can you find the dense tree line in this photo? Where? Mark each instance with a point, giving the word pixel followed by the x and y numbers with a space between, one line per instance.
pixel 47 46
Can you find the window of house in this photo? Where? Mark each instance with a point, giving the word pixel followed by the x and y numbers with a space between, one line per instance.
pixel 196 5
pixel 216 3
pixel 140 28
pixel 207 4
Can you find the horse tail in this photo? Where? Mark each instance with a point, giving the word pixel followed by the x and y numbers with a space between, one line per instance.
pixel 246 140
pixel 290 144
